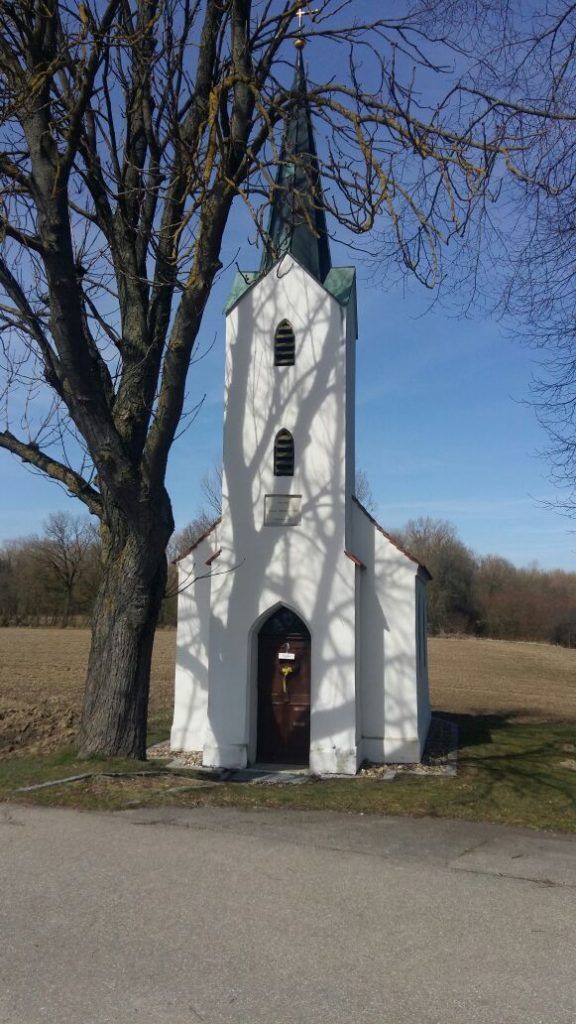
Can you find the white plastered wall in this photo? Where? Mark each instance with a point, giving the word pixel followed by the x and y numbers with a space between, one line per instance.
pixel 424 709
pixel 300 566
pixel 192 647
pixel 369 685
pixel 393 697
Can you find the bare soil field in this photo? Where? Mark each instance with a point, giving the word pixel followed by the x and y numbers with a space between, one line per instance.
pixel 41 677
pixel 502 677
pixel 42 672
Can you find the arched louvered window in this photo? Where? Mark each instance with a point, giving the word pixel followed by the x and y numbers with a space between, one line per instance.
pixel 284 344
pixel 284 454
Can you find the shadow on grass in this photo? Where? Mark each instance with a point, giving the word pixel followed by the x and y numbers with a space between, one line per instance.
pixel 516 761
pixel 476 729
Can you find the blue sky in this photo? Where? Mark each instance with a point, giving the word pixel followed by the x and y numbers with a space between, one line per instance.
pixel 442 430
pixel 457 440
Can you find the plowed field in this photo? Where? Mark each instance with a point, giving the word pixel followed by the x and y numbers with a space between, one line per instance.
pixel 42 672
pixel 41 678
pixel 520 680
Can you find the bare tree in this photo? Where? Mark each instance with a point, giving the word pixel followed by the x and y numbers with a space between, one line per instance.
pixel 50 578
pixel 521 65
pixel 211 485
pixel 184 539
pixel 128 128
pixel 62 555
pixel 451 598
pixel 364 491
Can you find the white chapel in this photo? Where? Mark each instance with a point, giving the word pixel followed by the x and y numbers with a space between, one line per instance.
pixel 301 625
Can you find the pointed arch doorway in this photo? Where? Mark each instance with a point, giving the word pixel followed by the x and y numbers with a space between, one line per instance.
pixel 283 723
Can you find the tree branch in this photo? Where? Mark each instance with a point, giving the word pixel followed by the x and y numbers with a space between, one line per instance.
pixel 30 453
pixel 34 326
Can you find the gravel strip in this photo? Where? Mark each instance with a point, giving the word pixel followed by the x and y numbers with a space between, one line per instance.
pixel 439 758
pixel 186 758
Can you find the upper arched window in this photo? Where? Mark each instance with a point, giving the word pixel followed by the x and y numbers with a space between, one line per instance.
pixel 284 344
pixel 284 454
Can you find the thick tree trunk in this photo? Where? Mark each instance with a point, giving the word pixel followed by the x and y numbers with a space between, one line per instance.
pixel 115 709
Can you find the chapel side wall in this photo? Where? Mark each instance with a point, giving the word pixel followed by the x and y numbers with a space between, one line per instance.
pixel 424 707
pixel 389 684
pixel 192 651
pixel 302 566
pixel 351 336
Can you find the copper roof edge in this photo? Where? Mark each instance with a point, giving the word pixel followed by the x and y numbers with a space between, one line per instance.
pixel 395 544
pixel 354 558
pixel 202 537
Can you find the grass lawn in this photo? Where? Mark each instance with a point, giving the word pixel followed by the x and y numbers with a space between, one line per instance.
pixel 520 773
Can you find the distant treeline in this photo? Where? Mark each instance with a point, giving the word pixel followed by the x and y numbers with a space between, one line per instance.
pixel 488 596
pixel 52 580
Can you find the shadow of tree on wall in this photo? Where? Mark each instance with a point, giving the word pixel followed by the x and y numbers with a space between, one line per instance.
pixel 304 568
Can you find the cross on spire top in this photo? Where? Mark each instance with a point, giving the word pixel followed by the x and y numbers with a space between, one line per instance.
pixel 300 41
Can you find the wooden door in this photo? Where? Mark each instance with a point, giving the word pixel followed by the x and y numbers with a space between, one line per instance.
pixel 284 690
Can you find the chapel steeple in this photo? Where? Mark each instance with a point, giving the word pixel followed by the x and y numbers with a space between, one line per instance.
pixel 297 221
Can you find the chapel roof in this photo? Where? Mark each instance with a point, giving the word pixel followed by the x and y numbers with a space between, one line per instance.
pixel 339 283
pixel 390 538
pixel 203 536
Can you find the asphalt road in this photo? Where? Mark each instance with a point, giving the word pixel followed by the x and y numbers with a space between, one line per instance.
pixel 262 917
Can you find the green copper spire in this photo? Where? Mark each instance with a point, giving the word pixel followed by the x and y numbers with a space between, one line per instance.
pixel 297 220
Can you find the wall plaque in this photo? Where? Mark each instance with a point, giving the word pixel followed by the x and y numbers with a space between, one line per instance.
pixel 282 509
